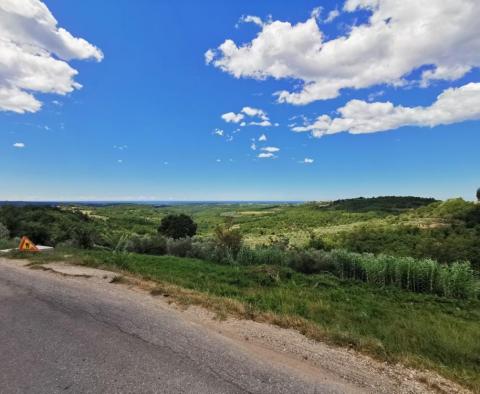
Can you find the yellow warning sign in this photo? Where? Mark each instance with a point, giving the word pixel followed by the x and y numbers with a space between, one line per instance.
pixel 27 246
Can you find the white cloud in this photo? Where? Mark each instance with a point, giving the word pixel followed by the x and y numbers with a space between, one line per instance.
pixel 263 123
pixel 19 145
pixel 262 118
pixel 34 53
pixel 255 112
pixel 374 95
pixel 332 15
pixel 359 117
pixel 253 146
pixel 251 19
pixel 263 137
pixel 399 37
pixel 218 132
pixel 307 160
pixel 316 12
pixel 270 149
pixel 266 155
pixel 232 117
pixel 209 55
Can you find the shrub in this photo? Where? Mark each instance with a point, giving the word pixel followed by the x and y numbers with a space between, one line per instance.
pixel 4 233
pixel 177 226
pixel 83 236
pixel 179 247
pixel 203 250
pixel 315 242
pixel 148 244
pixel 157 245
pixel 312 261
pixel 262 256
pixel 229 238
pixel 269 275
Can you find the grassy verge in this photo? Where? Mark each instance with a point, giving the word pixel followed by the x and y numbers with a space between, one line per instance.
pixel 391 324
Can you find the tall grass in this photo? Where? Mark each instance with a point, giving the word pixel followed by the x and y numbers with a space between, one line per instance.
pixel 457 280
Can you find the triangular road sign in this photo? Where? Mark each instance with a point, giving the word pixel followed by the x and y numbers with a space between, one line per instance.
pixel 27 246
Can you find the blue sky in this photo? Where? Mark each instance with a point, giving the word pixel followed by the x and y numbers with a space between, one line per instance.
pixel 143 124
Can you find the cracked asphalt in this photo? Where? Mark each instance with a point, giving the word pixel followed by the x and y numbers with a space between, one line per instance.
pixel 78 336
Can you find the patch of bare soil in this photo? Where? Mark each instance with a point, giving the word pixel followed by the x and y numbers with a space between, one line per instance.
pixel 290 347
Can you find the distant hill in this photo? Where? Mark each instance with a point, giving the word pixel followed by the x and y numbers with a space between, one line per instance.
pixel 385 204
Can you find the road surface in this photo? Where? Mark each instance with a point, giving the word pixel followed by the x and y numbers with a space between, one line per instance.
pixel 75 335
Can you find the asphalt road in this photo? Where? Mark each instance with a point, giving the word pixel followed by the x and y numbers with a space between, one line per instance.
pixel 70 335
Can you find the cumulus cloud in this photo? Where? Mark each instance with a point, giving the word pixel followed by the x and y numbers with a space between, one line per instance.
pixel 263 123
pixel 34 53
pixel 360 117
pixel 307 160
pixel 332 15
pixel 255 112
pixel 19 145
pixel 261 116
pixel 218 132
pixel 251 19
pixel 232 117
pixel 440 37
pixel 263 137
pixel 209 55
pixel 270 149
pixel 266 155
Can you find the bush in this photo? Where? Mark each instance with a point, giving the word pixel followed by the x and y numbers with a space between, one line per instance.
pixel 148 244
pixel 4 233
pixel 312 262
pixel 83 236
pixel 229 238
pixel 262 256
pixel 179 247
pixel 202 250
pixel 315 242
pixel 177 226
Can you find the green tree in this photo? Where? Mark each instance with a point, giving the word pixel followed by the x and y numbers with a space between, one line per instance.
pixel 177 226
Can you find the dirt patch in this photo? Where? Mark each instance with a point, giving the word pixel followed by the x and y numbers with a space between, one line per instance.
pixel 75 271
